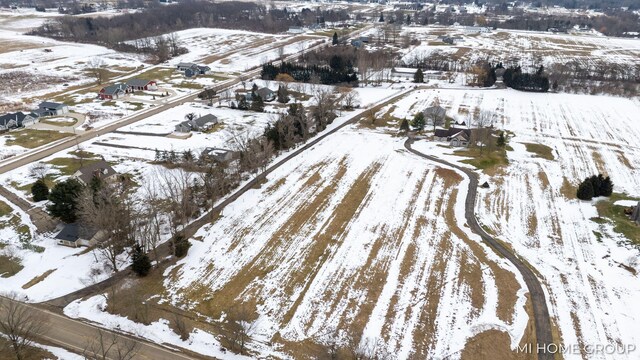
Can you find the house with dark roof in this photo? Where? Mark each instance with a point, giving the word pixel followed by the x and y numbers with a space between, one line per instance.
pixel 113 92
pixel 76 234
pixel 48 108
pixel 200 124
pixel 17 120
pixel 100 169
pixel 455 136
pixel 266 94
pixel 142 84
pixel 217 154
pixel 192 69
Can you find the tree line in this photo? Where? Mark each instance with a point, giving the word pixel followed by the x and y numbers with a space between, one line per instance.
pixel 338 72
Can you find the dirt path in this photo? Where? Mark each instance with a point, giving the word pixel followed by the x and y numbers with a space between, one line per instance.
pixel 43 222
pixel 542 320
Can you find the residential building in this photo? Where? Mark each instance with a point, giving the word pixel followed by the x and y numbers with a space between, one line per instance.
pixel 100 169
pixel 200 124
pixel 48 108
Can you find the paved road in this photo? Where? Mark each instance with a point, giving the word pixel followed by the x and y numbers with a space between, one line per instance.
pixel 77 336
pixel 540 311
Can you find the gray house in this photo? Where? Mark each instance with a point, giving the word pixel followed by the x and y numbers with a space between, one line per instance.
pixel 17 120
pixel 100 169
pixel 48 108
pixel 199 124
pixel 192 69
pixel 75 235
pixel 455 136
pixel 217 154
pixel 266 94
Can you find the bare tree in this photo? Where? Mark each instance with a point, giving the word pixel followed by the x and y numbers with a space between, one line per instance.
pixel 110 346
pixel 97 70
pixel 39 170
pixel 107 211
pixel 179 196
pixel 20 324
pixel 241 327
pixel 483 121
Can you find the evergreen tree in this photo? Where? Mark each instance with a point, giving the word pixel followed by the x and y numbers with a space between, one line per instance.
pixel 64 200
pixel 502 142
pixel 381 19
pixel 182 246
pixel 242 104
pixel 418 77
pixel 335 38
pixel 404 125
pixel 606 188
pixel 140 262
pixel 408 19
pixel 39 190
pixel 585 190
pixel 418 121
pixel 257 104
pixel 283 94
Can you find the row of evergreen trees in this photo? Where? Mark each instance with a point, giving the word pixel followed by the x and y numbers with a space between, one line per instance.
pixel 514 78
pixel 327 75
pixel 595 186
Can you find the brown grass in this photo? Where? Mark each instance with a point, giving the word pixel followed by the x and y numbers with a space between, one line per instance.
pixel 38 279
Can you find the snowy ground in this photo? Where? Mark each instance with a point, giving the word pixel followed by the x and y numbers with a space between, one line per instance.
pixel 591 295
pixel 523 47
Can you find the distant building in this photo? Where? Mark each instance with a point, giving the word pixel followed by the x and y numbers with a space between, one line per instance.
pixel 17 120
pixel 455 136
pixel 266 94
pixel 113 92
pixel 142 84
pixel 76 234
pixel 48 108
pixel 100 169
pixel 192 69
pixel 200 124
pixel 216 154
pixel 296 30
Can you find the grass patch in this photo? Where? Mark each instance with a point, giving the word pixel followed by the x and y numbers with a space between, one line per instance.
pixel 598 235
pixel 157 74
pixel 622 224
pixel 109 103
pixel 68 166
pixel 136 105
pixel 9 266
pixel 485 159
pixel 189 85
pixel 5 209
pixel 38 279
pixel 541 151
pixel 31 139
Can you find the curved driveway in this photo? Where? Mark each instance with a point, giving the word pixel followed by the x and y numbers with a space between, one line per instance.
pixel 540 310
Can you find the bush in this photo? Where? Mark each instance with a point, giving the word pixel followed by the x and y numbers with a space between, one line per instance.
pixel 182 246
pixel 39 190
pixel 140 262
pixel 595 186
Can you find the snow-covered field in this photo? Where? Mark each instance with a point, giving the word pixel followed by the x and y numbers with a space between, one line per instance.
pixel 358 239
pixel 591 295
pixel 523 47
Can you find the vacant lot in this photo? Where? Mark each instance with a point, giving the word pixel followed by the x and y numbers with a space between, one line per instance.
pixel 356 244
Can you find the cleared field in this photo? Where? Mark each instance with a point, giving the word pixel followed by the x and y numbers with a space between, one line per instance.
pixel 589 268
pixel 526 48
pixel 356 245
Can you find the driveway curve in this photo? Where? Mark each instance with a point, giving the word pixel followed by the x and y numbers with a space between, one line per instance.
pixel 541 317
